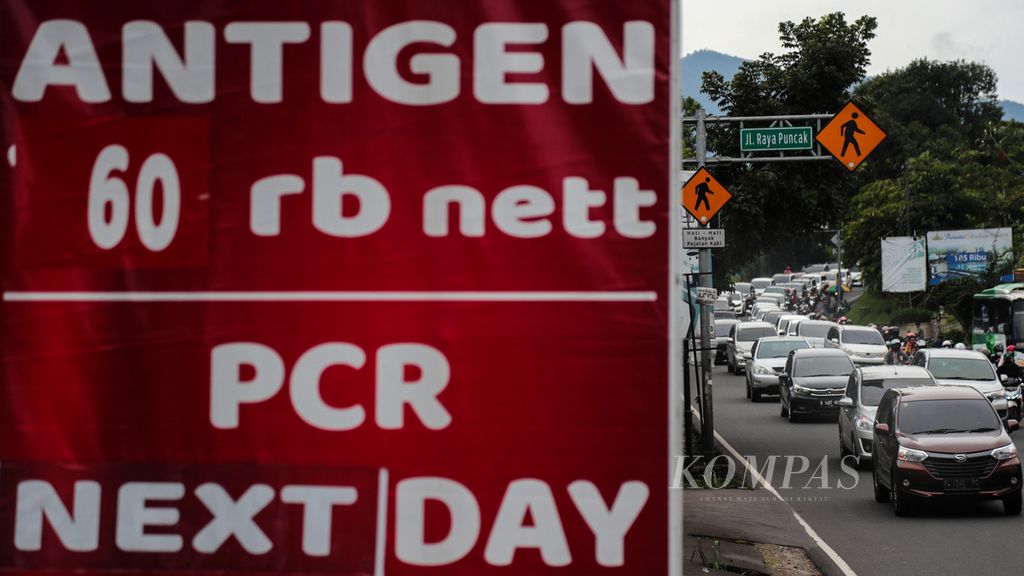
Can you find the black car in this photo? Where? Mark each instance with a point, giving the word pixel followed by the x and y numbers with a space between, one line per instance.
pixel 814 381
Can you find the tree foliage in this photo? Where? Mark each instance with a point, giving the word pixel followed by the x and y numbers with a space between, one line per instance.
pixel 774 205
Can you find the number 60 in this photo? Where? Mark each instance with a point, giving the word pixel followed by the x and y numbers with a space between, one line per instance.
pixel 106 190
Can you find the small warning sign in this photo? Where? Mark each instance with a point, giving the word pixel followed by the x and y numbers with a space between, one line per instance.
pixel 703 196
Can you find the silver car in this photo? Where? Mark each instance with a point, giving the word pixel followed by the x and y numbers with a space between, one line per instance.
pixel 767 360
pixel 969 368
pixel 864 344
pixel 741 339
pixel 815 331
pixel 858 406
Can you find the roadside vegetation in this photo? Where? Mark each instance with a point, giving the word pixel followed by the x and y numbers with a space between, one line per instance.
pixel 949 162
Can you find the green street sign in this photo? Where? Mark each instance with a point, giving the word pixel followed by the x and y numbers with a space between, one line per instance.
pixel 778 138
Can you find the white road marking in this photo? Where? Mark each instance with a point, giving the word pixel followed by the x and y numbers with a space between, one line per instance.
pixel 831 553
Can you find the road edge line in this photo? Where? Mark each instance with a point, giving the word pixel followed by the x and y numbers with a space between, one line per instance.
pixel 828 550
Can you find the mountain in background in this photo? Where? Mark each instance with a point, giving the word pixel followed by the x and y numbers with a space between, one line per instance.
pixel 696 63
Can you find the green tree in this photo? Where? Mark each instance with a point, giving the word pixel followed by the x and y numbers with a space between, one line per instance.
pixel 776 204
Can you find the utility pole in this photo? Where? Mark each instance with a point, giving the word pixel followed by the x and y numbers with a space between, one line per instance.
pixel 707 432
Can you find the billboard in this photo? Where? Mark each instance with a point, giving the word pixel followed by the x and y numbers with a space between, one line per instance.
pixel 339 287
pixel 904 265
pixel 959 253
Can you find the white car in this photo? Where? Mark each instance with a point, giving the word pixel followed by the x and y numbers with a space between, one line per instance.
pixel 952 367
pixel 863 344
pixel 785 320
pixel 766 361
pixel 760 284
pixel 814 331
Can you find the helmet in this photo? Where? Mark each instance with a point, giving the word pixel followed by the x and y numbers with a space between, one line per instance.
pixel 999 347
pixel 947 344
pixel 1011 348
pixel 843 320
pixel 960 346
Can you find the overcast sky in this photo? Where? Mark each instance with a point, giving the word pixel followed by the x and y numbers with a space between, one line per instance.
pixel 986 31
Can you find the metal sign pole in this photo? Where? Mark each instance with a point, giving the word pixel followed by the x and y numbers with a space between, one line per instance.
pixel 704 261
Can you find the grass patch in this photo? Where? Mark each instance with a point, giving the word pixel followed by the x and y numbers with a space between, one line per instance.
pixel 882 309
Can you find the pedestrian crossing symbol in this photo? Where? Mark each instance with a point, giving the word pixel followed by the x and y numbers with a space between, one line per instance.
pixel 703 196
pixel 850 136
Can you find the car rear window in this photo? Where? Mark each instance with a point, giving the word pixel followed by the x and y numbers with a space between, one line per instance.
pixel 779 348
pixel 751 334
pixel 722 328
pixel 871 390
pixel 961 369
pixel 863 337
pixel 824 366
pixel 761 283
pixel 813 330
pixel 742 287
pixel 947 416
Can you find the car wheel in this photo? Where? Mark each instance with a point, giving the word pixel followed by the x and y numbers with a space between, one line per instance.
pixel 881 493
pixel 1012 504
pixel 755 394
pixel 843 452
pixel 793 417
pixel 900 502
pixel 731 367
pixel 783 411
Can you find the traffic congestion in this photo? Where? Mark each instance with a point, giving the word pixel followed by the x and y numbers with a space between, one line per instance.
pixel 928 419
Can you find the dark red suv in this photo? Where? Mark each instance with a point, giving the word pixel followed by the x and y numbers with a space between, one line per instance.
pixel 943 442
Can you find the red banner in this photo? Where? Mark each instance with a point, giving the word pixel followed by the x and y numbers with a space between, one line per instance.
pixel 359 288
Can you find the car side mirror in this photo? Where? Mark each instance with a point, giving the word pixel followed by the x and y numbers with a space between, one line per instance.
pixel 846 402
pixel 1003 378
pixel 783 377
pixel 1012 425
pixel 882 428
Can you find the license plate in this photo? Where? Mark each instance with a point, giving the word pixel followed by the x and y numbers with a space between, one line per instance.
pixel 827 403
pixel 961 484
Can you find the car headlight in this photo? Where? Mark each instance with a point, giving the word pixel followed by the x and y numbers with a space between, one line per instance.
pixel 1013 393
pixel 758 369
pixel 997 395
pixel 911 455
pixel 801 389
pixel 862 423
pixel 1005 453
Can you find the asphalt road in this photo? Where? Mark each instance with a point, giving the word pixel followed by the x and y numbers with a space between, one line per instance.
pixel 959 538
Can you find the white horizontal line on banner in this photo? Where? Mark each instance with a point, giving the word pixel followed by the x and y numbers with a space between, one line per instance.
pixel 332 296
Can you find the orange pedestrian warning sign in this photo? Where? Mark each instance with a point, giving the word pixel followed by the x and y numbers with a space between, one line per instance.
pixel 850 136
pixel 703 196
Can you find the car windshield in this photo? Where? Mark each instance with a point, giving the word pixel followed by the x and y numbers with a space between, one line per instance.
pixel 961 369
pixel 812 330
pixel 779 348
pixel 871 390
pixel 761 283
pixel 742 287
pixel 824 366
pixel 751 334
pixel 863 337
pixel 947 417
pixel 775 290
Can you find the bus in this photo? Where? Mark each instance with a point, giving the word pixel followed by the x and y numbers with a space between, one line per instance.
pixel 997 317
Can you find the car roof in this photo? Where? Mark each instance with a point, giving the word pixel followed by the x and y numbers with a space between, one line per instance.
pixel 761 278
pixel 818 352
pixel 952 353
pixel 782 339
pixel 819 322
pixel 857 327
pixel 791 316
pixel 755 324
pixel 940 393
pixel 882 372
